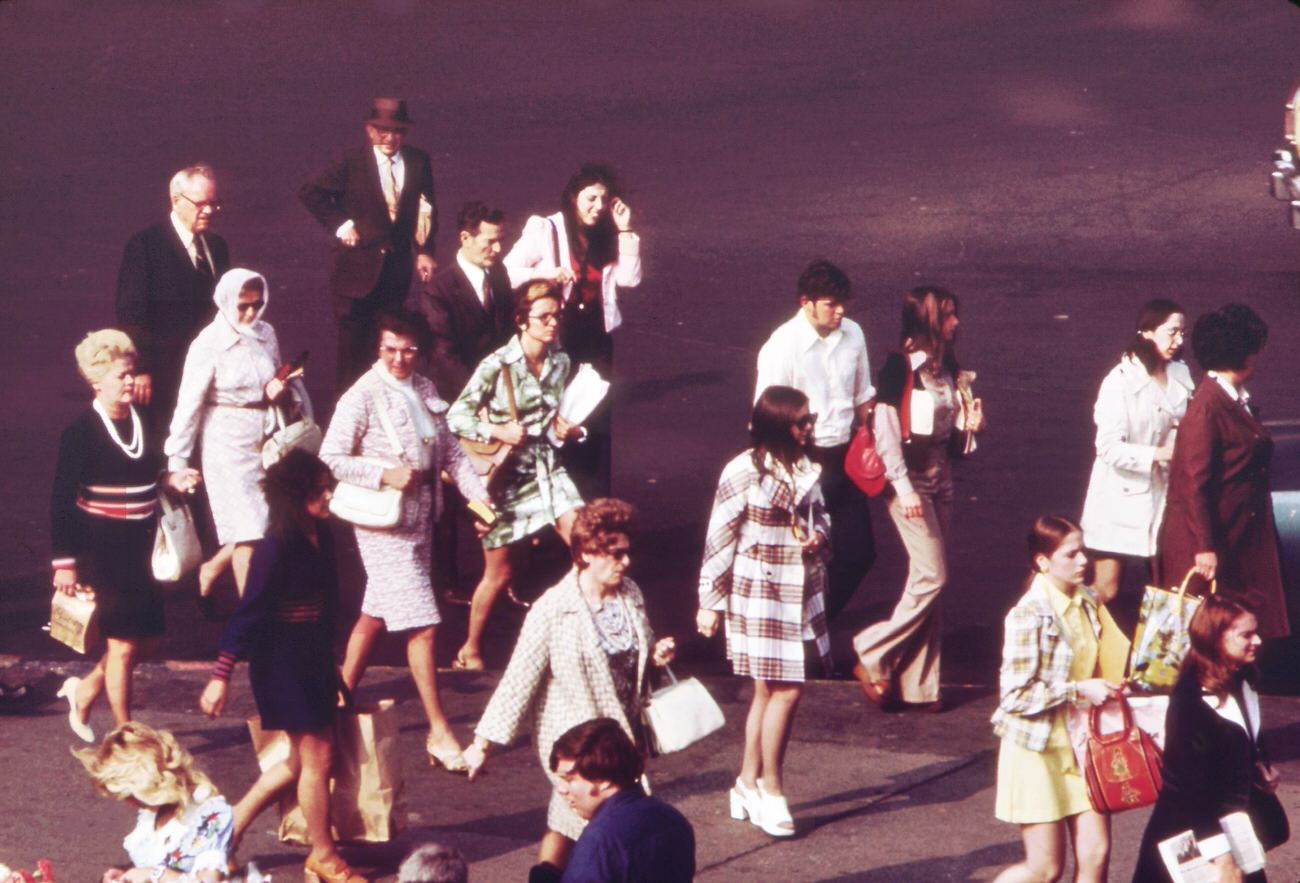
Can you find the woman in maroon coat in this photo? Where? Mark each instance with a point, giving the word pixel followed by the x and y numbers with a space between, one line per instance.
pixel 1219 519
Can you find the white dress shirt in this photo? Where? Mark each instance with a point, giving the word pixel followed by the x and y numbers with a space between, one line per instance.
pixel 476 275
pixel 1238 395
pixel 192 243
pixel 382 161
pixel 833 371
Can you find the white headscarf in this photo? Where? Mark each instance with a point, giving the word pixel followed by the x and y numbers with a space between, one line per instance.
pixel 226 297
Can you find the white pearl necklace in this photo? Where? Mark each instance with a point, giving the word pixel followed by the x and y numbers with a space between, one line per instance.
pixel 134 450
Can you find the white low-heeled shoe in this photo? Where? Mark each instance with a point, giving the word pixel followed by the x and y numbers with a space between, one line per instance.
pixel 744 803
pixel 774 814
pixel 79 727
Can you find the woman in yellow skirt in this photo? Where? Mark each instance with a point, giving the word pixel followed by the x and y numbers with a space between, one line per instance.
pixel 1050 658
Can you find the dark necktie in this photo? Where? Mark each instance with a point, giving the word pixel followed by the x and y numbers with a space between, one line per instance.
pixel 200 259
pixel 487 294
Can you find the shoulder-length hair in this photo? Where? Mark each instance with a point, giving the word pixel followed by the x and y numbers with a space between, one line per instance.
pixel 769 426
pixel 597 245
pixel 1153 314
pixel 922 326
pixel 289 485
pixel 1204 659
pixel 149 766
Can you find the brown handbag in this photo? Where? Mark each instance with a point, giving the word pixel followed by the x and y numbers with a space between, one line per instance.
pixel 487 457
pixel 1122 769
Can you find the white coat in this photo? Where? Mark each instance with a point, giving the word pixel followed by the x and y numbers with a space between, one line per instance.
pixel 1127 490
pixel 535 255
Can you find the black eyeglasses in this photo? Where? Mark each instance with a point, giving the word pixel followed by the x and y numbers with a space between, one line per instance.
pixel 411 351
pixel 807 421
pixel 251 305
pixel 213 204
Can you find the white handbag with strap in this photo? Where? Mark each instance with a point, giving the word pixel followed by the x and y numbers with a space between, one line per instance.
pixel 681 714
pixel 176 546
pixel 303 433
pixel 377 508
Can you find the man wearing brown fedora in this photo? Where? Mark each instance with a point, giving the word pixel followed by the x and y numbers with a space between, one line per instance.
pixel 378 204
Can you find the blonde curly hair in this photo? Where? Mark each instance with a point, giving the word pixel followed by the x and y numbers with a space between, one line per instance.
pixel 138 762
pixel 99 349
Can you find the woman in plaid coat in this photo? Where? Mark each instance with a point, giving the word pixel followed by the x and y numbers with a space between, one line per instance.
pixel 764 568
pixel 581 654
pixel 1050 659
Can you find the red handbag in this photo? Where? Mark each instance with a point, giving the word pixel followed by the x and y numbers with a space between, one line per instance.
pixel 1121 769
pixel 862 463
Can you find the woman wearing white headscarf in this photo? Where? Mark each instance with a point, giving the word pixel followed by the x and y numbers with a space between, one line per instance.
pixel 226 391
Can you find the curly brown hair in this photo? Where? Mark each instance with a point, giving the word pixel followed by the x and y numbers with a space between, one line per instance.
pixel 596 526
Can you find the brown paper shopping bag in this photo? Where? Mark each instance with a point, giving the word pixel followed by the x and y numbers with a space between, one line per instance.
pixel 73 621
pixel 366 800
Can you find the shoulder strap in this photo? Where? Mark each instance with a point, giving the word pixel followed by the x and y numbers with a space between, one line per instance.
pixel 389 430
pixel 510 391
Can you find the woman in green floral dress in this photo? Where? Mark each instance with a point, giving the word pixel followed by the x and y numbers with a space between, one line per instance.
pixel 530 490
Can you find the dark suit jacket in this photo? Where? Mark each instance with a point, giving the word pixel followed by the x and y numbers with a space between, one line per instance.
pixel 1219 502
pixel 350 190
pixel 464 332
pixel 1209 771
pixel 162 301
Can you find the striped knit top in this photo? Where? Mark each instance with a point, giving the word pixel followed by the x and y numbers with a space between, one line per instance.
pixel 95 479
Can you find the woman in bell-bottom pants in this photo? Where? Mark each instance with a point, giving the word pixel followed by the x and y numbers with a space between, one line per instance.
pixel 924 413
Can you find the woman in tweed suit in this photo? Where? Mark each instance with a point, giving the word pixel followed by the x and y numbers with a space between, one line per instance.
pixel 514 398
pixel 399 593
pixel 581 655
pixel 1050 658
pixel 764 567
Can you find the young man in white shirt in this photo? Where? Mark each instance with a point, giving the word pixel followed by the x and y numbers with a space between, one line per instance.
pixel 824 355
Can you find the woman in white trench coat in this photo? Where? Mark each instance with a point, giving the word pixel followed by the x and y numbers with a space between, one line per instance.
pixel 224 407
pixel 1137 412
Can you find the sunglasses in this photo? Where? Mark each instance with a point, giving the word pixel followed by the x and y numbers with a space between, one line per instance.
pixel 808 421
pixel 251 305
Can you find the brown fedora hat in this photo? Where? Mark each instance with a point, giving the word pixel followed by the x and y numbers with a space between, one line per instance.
pixel 390 112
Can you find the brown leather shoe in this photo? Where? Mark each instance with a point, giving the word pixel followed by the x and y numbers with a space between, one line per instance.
pixel 877 692
pixel 336 871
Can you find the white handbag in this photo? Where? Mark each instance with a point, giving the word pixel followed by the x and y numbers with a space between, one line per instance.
pixel 303 433
pixel 371 507
pixel 176 547
pixel 367 507
pixel 681 714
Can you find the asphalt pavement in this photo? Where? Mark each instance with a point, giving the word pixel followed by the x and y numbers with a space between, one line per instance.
pixel 1053 164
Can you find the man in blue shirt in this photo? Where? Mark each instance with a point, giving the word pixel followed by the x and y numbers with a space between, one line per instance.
pixel 630 836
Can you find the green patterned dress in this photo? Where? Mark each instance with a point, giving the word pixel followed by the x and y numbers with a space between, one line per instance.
pixel 533 490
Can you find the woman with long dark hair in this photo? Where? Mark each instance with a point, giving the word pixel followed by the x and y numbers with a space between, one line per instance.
pixel 1214 760
pixel 764 572
pixel 1137 413
pixel 285 628
pixel 924 415
pixel 588 248
pixel 1050 659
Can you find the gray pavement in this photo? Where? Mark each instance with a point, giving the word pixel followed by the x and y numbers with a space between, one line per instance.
pixel 877 797
pixel 1053 164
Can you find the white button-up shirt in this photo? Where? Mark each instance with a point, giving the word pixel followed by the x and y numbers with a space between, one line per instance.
pixel 476 276
pixel 192 242
pixel 382 162
pixel 833 371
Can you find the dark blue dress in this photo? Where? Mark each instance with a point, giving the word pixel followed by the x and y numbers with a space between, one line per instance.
pixel 285 628
pixel 103 521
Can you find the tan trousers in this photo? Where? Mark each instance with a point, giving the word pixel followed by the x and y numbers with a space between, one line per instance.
pixel 905 647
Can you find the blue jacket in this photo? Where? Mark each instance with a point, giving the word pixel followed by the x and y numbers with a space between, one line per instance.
pixel 634 838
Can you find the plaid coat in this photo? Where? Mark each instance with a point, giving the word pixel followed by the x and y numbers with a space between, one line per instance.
pixel 558 677
pixel 754 569
pixel 1035 678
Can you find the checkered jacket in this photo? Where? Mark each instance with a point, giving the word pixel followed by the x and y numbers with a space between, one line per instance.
pixel 558 676
pixel 754 569
pixel 1035 679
